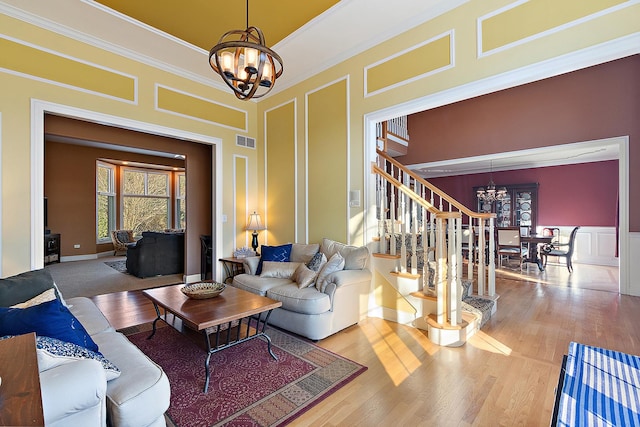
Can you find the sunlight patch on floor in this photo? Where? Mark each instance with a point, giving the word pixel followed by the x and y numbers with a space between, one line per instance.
pixel 398 360
pixel 521 275
pixel 485 342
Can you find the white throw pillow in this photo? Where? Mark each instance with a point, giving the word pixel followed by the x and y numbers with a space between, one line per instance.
pixel 279 270
pixel 304 276
pixel 48 295
pixel 335 263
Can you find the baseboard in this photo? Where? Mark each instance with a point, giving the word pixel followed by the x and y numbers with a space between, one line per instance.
pixel 191 278
pixel 86 257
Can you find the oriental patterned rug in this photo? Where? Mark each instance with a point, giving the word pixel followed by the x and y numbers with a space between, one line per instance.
pixel 247 387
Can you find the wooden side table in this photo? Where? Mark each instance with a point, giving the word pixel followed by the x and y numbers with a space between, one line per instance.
pixel 232 267
pixel 20 396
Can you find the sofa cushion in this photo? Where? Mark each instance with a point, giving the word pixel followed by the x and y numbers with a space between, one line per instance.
pixel 335 263
pixel 305 301
pixel 355 258
pixel 256 284
pixel 50 319
pixel 24 286
pixel 281 270
pixel 141 394
pixel 85 310
pixel 74 394
pixel 280 253
pixel 303 253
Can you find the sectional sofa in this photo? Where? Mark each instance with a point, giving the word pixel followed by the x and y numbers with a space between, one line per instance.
pixel 90 375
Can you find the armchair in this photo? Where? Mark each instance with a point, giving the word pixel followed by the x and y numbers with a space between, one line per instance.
pixel 122 239
pixel 561 250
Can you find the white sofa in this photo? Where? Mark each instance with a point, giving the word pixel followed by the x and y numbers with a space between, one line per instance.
pixel 331 303
pixel 76 390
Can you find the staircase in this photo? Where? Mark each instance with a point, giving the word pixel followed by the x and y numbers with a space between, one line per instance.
pixel 418 260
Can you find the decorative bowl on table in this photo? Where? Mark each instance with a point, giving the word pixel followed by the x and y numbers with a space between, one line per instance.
pixel 203 290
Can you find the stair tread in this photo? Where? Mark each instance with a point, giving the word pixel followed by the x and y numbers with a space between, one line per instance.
pixel 380 255
pixel 422 295
pixel 405 274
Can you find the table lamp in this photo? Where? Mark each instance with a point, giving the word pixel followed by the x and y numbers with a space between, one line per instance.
pixel 255 224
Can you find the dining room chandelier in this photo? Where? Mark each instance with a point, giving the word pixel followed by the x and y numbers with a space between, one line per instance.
pixel 245 63
pixel 490 194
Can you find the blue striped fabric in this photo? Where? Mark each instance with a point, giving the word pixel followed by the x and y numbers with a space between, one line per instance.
pixel 601 388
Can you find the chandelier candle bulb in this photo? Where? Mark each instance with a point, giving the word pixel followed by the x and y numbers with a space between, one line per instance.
pixel 251 60
pixel 266 74
pixel 226 58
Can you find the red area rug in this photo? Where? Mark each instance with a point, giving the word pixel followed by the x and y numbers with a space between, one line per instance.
pixel 247 387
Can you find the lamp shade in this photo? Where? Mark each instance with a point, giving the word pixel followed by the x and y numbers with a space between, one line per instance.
pixel 255 223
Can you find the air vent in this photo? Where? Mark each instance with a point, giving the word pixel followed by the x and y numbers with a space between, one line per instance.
pixel 245 141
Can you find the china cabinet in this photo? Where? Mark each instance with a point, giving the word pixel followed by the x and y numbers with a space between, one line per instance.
pixel 519 207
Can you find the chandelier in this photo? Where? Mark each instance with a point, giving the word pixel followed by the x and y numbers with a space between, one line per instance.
pixel 490 195
pixel 245 63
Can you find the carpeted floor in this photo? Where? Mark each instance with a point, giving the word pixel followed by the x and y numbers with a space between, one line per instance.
pixel 248 387
pixel 95 277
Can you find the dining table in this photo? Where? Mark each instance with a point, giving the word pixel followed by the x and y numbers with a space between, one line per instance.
pixel 533 242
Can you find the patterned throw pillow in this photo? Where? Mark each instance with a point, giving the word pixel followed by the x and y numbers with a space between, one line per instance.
pixel 274 253
pixel 52 352
pixel 122 236
pixel 317 261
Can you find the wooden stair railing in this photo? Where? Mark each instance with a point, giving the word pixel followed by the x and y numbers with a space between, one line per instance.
pixel 407 200
pixel 409 207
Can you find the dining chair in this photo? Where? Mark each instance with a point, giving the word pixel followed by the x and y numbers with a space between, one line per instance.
pixel 562 250
pixel 508 243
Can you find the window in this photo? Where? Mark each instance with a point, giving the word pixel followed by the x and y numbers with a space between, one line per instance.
pixel 105 201
pixel 145 200
pixel 181 202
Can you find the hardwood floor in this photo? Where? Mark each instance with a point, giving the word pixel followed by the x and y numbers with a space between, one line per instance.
pixel 504 375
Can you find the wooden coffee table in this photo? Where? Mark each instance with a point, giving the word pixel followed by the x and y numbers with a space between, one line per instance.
pixel 217 316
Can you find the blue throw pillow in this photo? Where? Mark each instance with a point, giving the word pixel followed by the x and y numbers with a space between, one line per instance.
pixel 274 253
pixel 49 319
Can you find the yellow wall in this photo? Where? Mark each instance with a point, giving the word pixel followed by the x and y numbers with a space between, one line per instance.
pixel 280 178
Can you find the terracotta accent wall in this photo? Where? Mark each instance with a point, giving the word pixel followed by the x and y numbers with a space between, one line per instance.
pixel 593 103
pixel 70 182
pixel 584 194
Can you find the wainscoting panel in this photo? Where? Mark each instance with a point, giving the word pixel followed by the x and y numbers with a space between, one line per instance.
pixel 594 245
